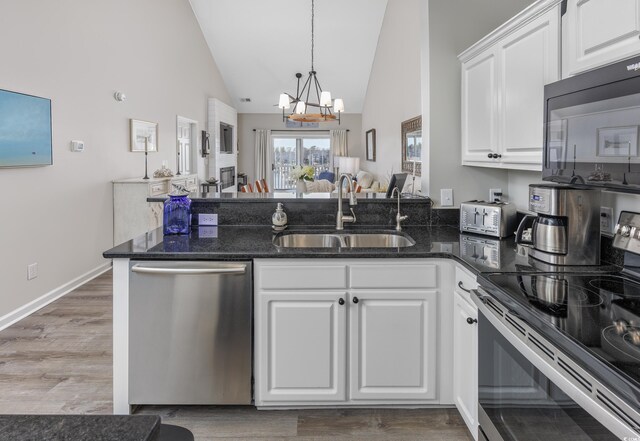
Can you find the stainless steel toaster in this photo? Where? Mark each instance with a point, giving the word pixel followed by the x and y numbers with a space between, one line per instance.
pixel 497 219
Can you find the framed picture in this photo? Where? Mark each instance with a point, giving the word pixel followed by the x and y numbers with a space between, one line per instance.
pixel 144 136
pixel 371 144
pixel 618 141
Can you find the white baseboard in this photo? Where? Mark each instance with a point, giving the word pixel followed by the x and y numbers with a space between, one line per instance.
pixel 31 307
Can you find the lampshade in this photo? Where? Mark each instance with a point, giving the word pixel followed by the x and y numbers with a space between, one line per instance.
pixel 284 101
pixel 338 105
pixel 325 98
pixel 301 107
pixel 348 164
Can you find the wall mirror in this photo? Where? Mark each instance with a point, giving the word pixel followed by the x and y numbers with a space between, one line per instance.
pixel 412 145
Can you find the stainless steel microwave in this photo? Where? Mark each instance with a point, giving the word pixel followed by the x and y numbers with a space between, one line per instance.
pixel 592 125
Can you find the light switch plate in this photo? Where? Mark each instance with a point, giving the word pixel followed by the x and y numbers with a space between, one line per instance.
pixel 77 146
pixel 446 197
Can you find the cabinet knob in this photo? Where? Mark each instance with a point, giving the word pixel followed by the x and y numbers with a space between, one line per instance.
pixel 340 301
pixel 471 321
pixel 355 300
pixel 490 155
pixel 497 156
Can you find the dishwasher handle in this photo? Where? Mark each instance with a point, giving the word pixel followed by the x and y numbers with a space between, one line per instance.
pixel 225 270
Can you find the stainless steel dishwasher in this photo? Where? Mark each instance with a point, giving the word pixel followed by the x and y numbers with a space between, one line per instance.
pixel 190 332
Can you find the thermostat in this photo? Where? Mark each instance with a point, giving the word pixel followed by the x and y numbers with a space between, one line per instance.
pixel 77 146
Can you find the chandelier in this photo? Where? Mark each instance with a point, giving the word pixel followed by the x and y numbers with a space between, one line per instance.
pixel 305 109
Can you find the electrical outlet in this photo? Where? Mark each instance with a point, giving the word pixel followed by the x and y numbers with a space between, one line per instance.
pixel 606 220
pixel 207 232
pixel 32 271
pixel 495 195
pixel 207 219
pixel 446 197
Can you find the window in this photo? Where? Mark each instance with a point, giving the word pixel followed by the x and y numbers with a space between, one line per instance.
pixel 299 149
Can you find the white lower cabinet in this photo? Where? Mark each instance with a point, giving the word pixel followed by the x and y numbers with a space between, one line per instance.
pixel 351 344
pixel 304 335
pixel 465 351
pixel 393 342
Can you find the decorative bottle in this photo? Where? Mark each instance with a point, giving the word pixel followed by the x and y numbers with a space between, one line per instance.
pixel 177 212
pixel 279 218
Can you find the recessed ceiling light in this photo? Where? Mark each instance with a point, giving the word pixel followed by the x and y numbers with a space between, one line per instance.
pixel 245 100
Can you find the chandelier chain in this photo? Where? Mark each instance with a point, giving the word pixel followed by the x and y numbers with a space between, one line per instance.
pixel 312 30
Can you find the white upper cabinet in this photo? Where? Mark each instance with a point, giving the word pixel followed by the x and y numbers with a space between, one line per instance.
pixel 529 59
pixel 599 32
pixel 503 78
pixel 479 107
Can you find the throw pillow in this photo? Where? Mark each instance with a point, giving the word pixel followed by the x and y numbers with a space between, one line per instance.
pixel 365 179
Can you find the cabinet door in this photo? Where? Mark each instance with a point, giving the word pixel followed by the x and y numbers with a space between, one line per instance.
pixel 599 32
pixel 301 352
pixel 465 362
pixel 529 58
pixel 479 107
pixel 392 345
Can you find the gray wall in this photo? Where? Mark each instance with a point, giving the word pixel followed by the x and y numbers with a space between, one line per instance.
pixel 453 26
pixel 393 93
pixel 78 53
pixel 247 122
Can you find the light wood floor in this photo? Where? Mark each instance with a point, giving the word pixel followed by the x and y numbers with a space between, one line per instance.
pixel 58 361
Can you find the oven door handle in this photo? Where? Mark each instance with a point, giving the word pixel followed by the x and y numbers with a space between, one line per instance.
pixel 484 297
pixel 479 295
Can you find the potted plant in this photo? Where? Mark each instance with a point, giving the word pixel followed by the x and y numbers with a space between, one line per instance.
pixel 300 174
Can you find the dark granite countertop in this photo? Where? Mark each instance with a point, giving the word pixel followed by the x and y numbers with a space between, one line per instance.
pixel 477 253
pixel 79 427
pixel 293 197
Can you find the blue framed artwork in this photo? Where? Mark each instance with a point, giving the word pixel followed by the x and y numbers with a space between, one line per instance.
pixel 25 130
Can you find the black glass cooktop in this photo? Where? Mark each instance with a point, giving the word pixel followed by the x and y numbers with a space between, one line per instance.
pixel 599 311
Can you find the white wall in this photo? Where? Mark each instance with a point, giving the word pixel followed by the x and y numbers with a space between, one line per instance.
pixel 393 93
pixel 78 53
pixel 454 25
pixel 247 122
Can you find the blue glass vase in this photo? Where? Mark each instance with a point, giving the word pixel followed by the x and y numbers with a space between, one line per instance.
pixel 177 214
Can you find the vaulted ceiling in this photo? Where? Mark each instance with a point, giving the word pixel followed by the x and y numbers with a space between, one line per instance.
pixel 259 45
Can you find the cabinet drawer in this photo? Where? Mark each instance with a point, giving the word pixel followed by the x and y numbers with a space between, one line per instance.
pixel 303 276
pixel 158 188
pixel 374 276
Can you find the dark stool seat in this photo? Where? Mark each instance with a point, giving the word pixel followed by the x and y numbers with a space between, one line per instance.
pixel 169 432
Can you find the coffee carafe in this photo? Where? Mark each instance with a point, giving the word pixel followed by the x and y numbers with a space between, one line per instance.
pixel 566 227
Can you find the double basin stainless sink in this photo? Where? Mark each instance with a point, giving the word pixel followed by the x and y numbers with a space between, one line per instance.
pixel 343 240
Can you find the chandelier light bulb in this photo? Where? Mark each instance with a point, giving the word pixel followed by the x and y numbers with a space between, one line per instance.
pixel 284 101
pixel 301 107
pixel 325 98
pixel 338 105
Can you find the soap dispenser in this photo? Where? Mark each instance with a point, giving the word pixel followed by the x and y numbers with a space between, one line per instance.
pixel 279 218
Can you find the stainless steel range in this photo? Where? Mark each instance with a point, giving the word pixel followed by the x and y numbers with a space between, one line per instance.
pixel 559 354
